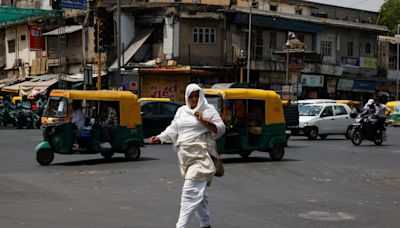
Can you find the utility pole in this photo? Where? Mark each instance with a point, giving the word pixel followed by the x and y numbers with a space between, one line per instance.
pixel 119 51
pixel 397 64
pixel 249 43
pixel 98 49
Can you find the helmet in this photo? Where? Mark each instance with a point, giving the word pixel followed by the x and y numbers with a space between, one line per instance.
pixel 382 97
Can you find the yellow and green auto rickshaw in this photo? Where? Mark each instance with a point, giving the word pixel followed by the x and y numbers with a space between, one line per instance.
pixel 395 115
pixel 391 106
pixel 61 137
pixel 352 104
pixel 254 119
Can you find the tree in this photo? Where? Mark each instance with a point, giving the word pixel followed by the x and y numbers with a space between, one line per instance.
pixel 390 15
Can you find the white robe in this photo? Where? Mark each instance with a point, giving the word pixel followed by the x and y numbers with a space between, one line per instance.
pixel 192 140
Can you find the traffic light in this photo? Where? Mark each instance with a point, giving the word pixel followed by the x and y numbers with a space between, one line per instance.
pixel 103 34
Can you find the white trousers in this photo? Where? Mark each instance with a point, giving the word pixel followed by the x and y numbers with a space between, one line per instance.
pixel 194 199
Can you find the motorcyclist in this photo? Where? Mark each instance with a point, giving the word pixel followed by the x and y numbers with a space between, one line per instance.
pixel 380 112
pixel 8 104
pixel 24 111
pixel 369 108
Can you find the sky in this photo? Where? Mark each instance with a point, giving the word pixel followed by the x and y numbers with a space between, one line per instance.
pixel 370 5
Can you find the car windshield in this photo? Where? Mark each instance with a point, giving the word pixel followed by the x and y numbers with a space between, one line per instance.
pixel 310 110
pixel 56 107
pixel 216 101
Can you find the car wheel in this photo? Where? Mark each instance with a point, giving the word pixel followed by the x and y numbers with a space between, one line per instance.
pixel 107 154
pixel 278 151
pixel 245 154
pixel 312 133
pixel 44 156
pixel 323 136
pixel 356 137
pixel 348 133
pixel 132 153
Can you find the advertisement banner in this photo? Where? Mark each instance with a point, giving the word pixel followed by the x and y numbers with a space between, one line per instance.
pixel 366 62
pixel 331 86
pixel 36 40
pixel 345 85
pixel 73 4
pixel 364 86
pixel 308 80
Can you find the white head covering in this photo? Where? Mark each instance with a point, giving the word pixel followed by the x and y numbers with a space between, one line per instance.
pixel 370 101
pixel 201 104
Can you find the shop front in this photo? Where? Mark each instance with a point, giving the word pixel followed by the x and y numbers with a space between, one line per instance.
pixel 312 86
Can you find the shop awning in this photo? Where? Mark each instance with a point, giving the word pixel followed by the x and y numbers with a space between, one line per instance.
pixel 36 85
pixel 64 30
pixel 137 42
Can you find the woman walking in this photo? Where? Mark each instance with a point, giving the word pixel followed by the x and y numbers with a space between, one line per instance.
pixel 193 132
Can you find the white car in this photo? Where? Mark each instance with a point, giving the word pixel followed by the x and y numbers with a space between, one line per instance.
pixel 325 119
pixel 314 101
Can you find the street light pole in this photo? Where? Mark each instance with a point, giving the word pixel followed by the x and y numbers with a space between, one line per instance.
pixel 249 43
pixel 397 64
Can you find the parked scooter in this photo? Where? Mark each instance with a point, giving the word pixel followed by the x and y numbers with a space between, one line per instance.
pixel 364 128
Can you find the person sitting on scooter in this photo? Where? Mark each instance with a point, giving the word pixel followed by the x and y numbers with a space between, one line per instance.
pixel 8 104
pixel 369 108
pixel 380 113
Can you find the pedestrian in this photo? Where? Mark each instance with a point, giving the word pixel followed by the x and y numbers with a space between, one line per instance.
pixel 193 132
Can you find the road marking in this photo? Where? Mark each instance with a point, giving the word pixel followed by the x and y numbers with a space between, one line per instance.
pixel 327 216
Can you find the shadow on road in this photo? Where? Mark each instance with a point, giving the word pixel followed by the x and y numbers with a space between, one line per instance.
pixel 253 160
pixel 102 161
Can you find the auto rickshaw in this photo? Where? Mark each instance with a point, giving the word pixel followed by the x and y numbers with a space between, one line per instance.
pixel 395 115
pixel 254 119
pixel 391 106
pixel 60 136
pixel 352 104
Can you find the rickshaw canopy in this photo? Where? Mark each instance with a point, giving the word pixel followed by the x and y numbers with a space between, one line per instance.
pixel 391 104
pixel 129 106
pixel 154 99
pixel 273 104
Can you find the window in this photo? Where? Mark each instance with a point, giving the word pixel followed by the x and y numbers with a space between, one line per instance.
pixel 272 39
pixel 56 107
pixel 368 48
pixel 327 111
pixel 204 35
pixel 169 109
pixel 299 11
pixel 326 48
pixel 340 110
pixel 11 46
pixel 150 109
pixel 259 44
pixel 273 8
pixel 350 49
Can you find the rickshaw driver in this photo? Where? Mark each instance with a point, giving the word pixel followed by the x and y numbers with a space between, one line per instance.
pixel 78 118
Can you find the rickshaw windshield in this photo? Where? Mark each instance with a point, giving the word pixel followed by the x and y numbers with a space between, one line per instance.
pixel 310 110
pixel 396 109
pixel 216 101
pixel 56 107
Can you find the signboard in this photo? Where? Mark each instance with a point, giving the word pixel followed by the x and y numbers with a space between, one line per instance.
pixel 331 86
pixel 73 4
pixel 364 86
pixel 345 85
pixel 350 62
pixel 172 87
pixel 36 40
pixel 308 80
pixel 366 62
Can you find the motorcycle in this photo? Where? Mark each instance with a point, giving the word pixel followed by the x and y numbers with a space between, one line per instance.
pixel 8 117
pixel 363 128
pixel 24 117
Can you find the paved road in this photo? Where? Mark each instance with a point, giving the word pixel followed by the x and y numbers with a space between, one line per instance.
pixel 322 183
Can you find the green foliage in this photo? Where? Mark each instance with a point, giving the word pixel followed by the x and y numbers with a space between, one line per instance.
pixel 390 15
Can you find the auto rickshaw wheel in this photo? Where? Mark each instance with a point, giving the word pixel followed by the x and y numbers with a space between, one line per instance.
pixel 107 154
pixel 277 152
pixel 44 156
pixel 132 153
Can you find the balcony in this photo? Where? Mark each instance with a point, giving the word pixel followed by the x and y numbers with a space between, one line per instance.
pixel 141 3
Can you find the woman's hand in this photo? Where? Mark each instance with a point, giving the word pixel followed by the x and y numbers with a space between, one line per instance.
pixel 154 139
pixel 210 125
